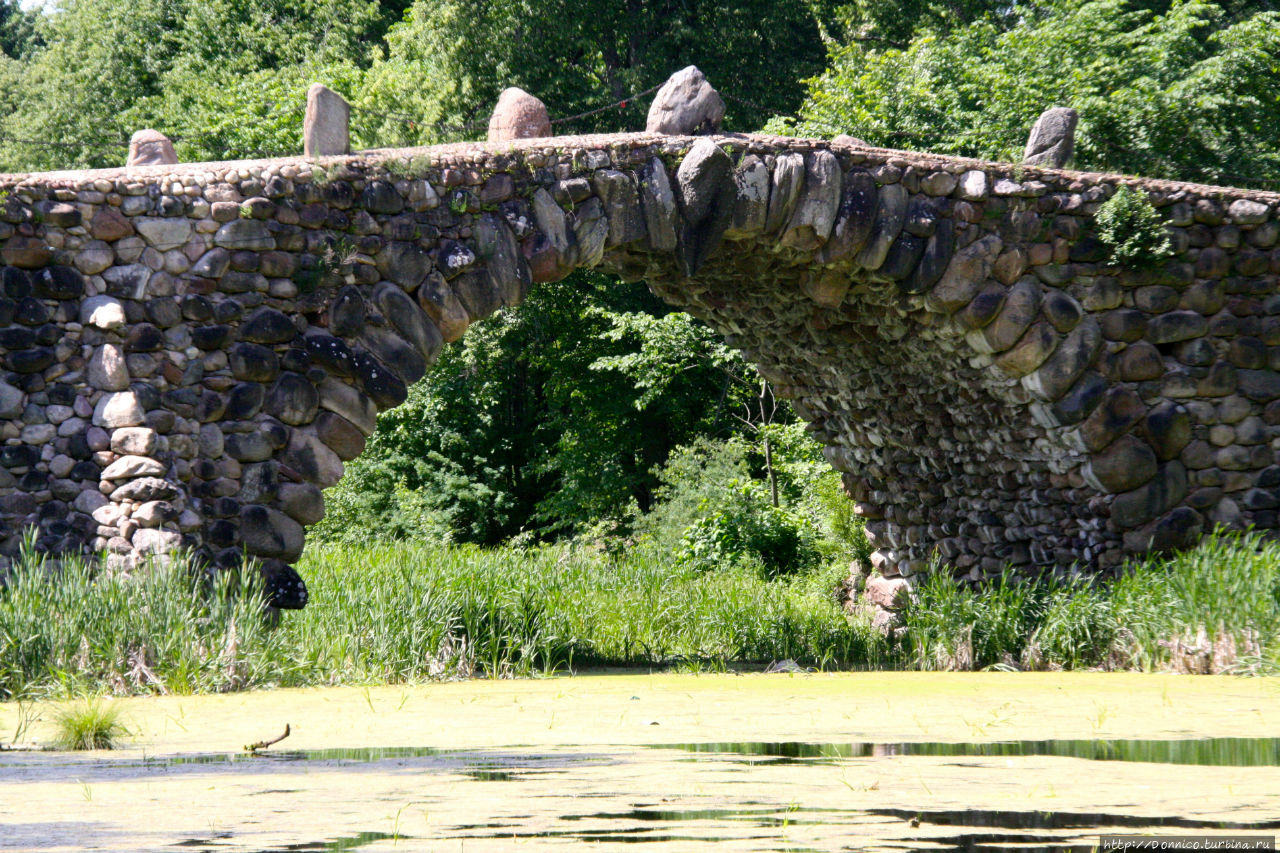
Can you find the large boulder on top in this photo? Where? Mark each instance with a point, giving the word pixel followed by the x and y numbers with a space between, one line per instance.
pixel 685 105
pixel 150 148
pixel 326 127
pixel 1052 139
pixel 518 115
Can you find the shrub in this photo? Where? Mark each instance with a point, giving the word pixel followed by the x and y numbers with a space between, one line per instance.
pixel 748 527
pixel 1131 226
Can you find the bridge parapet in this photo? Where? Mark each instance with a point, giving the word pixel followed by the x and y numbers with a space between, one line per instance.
pixel 190 352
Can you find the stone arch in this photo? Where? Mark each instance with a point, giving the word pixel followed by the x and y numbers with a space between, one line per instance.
pixel 191 352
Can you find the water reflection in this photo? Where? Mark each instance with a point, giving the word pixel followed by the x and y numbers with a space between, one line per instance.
pixel 1215 752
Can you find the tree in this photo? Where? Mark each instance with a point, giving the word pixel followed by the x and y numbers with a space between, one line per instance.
pixel 191 68
pixel 449 59
pixel 543 420
pixel 1187 90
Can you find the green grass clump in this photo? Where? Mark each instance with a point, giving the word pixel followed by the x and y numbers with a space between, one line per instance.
pixel 89 724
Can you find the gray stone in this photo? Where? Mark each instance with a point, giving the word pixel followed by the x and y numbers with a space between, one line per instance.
pixel 312 459
pixel 164 233
pixel 94 257
pixel 292 399
pixel 145 489
pixel 496 246
pixel 974 185
pixel 303 502
pixel 1125 465
pixel 1052 140
pixel 12 401
pixel 686 104
pixel 150 148
pixel 965 274
pixel 621 205
pixel 154 513
pixel 752 207
pixel 245 234
pixel 1176 326
pixel 120 409
pixel 1030 351
pixel 788 178
pixel 342 436
pixel 248 446
pixel 590 231
pixel 855 217
pixel 443 307
pixel 707 194
pixel 408 319
pixel 108 370
pixel 551 220
pixel 268 532
pixel 1244 211
pixel 1076 352
pixel 397 354
pixel 1020 308
pixel 1146 502
pixel 326 126
pixel 891 209
pixel 816 208
pixel 150 541
pixel 518 115
pixel 342 399
pixel 659 204
pixel 135 441
pixel 1168 429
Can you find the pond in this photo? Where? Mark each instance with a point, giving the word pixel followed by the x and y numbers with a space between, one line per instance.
pixel 874 761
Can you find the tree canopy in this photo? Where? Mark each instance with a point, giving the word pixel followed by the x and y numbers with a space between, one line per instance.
pixel 1184 89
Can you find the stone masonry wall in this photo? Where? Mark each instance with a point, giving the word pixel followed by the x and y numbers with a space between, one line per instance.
pixel 189 353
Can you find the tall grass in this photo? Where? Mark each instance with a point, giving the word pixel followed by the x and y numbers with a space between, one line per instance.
pixel 405 612
pixel 70 629
pixel 1212 609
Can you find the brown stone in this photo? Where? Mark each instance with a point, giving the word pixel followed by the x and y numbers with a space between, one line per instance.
pixel 342 436
pixel 26 253
pixel 518 115
pixel 109 224
pixel 150 148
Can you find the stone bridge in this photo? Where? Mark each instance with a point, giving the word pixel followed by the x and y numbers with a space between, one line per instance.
pixel 189 352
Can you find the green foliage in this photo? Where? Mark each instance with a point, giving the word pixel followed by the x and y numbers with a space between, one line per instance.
pixel 542 420
pixel 89 724
pixel 1181 89
pixel 1131 226
pixel 747 527
pixel 227 77
pixel 448 60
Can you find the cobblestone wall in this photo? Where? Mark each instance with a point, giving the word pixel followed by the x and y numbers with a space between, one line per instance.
pixel 189 353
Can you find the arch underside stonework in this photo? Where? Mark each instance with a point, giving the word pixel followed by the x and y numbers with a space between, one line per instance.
pixel 190 352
